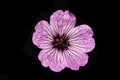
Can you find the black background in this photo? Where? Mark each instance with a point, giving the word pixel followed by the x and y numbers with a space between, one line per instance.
pixel 18 56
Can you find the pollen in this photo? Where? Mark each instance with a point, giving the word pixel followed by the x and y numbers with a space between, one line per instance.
pixel 60 42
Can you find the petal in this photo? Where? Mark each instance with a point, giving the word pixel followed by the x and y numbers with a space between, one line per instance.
pixel 41 41
pixel 75 59
pixel 56 62
pixel 71 63
pixel 63 20
pixel 85 45
pixel 44 28
pixel 55 18
pixel 81 32
pixel 51 58
pixel 43 56
pixel 42 37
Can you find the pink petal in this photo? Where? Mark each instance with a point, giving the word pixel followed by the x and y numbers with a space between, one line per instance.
pixel 85 45
pixel 41 41
pixel 56 67
pixel 63 20
pixel 44 28
pixel 51 58
pixel 43 56
pixel 42 37
pixel 80 38
pixel 75 59
pixel 80 32
pixel 55 18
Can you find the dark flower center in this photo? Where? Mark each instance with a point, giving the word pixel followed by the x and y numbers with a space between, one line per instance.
pixel 60 42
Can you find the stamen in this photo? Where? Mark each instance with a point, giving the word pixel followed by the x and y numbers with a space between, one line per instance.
pixel 60 42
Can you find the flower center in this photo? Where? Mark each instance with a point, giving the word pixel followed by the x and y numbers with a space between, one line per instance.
pixel 60 42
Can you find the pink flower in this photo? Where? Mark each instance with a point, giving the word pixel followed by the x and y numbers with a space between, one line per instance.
pixel 63 44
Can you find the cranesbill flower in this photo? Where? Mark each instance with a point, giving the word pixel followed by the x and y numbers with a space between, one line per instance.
pixel 63 44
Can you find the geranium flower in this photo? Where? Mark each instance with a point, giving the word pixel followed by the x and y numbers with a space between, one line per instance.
pixel 63 44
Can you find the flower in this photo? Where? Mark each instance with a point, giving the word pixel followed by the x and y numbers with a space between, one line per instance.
pixel 63 44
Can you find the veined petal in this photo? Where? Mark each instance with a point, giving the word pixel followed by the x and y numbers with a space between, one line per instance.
pixel 81 32
pixel 41 41
pixel 44 28
pixel 75 59
pixel 43 55
pixel 83 45
pixel 80 38
pixel 55 18
pixel 42 37
pixel 63 20
pixel 52 59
